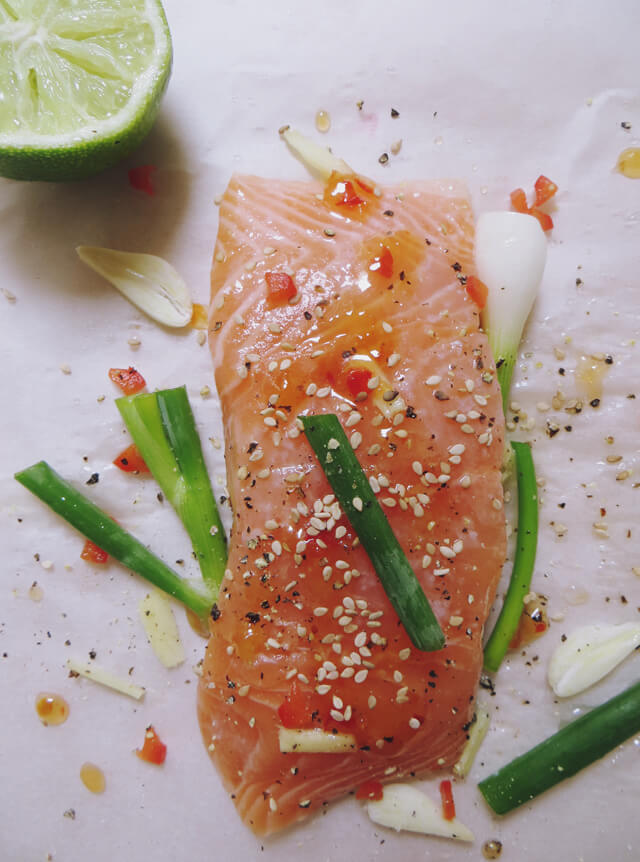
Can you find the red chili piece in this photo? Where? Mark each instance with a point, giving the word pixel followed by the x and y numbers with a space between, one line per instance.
pixel 280 286
pixel 296 709
pixel 448 805
pixel 153 750
pixel 357 380
pixel 140 178
pixel 93 554
pixel 128 379
pixel 383 263
pixel 477 290
pixel 131 461
pixel 370 790
pixel 545 189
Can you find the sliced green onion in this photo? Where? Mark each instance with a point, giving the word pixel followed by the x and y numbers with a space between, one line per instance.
pixel 43 481
pixel 525 557
pixel 350 485
pixel 163 428
pixel 560 756
pixel 511 251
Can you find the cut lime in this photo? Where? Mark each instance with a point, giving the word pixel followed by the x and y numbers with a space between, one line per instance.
pixel 80 83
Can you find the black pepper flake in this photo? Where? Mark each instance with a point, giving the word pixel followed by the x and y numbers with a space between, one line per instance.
pixel 395 114
pixel 347 353
pixel 388 213
pixel 92 654
pixel 625 125
pixel 440 395
pixel 456 267
pixel 401 275
pixel 595 402
pixel 360 104
pixel 307 315
pixel 215 612
pixel 579 282
pixel 93 479
pixel 160 497
pixel 384 158
pixel 608 359
pixel 217 325
pixel 561 372
pixel 411 413
pixel 253 617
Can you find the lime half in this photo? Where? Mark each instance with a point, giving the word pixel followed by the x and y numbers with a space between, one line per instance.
pixel 80 83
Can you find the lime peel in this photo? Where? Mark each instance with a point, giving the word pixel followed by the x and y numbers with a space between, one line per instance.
pixel 81 87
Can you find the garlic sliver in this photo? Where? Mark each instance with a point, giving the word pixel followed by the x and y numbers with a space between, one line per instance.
pixel 106 678
pixel 404 807
pixel 314 741
pixel 477 733
pixel 160 627
pixel 149 282
pixel 317 159
pixel 588 654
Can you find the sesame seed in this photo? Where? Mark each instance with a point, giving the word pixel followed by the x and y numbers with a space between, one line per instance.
pixel 286 363
pixel 482 401
pixel 404 654
pixel 414 723
pixel 327 572
pixel 393 359
pixel 441 572
pixel 336 716
pixel 243 472
pixel 497 504
pixel 434 380
pixel 397 676
pixel 374 484
pixel 344 621
pixel 373 383
pixel 469 385
pixel 357 504
pixel 455 621
pixel 465 481
pixel 347 673
pixel 483 438
pixel 417 468
pixel 355 440
pixel 360 639
pixel 401 433
pixel 426 561
pixel 320 612
pixel 466 429
pixel 333 444
pixel 329 231
pixel 374 450
pixel 447 552
pixel 349 603
pixel 387 326
pixel 337 701
pixel 352 419
pixel 273 643
pixel 371 702
pixel 361 675
pixel 273 805
pixel 322 393
pixel 270 421
pixel 271 525
pixel 311 389
pixel 276 547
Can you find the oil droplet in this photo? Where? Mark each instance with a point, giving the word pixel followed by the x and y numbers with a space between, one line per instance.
pixel 199 625
pixel 93 777
pixel 533 622
pixel 590 373
pixel 323 121
pixel 439 141
pixel 492 849
pixel 51 708
pixel 629 163
pixel 200 317
pixel 575 595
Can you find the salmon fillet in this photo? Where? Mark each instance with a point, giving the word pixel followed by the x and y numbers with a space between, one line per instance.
pixel 303 630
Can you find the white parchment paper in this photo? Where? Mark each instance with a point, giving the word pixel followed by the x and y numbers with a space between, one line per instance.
pixel 495 93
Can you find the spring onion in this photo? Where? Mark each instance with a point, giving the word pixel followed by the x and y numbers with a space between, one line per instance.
pixel 163 428
pixel 560 756
pixel 511 251
pixel 97 526
pixel 350 485
pixel 525 557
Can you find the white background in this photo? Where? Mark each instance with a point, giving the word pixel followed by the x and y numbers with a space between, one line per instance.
pixel 495 93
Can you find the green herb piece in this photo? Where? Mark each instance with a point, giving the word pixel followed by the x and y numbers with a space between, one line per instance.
pixel 350 485
pixel 568 751
pixel 163 428
pixel 43 481
pixel 525 557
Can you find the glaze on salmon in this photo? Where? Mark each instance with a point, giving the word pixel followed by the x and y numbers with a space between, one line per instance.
pixel 380 331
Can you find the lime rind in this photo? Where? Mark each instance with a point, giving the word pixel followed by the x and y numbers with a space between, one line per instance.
pixel 102 75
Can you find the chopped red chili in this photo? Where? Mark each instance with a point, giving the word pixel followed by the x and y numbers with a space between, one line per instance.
pixel 296 710
pixel 448 805
pixel 477 290
pixel 93 554
pixel 280 286
pixel 370 790
pixel 131 461
pixel 545 189
pixel 153 750
pixel 382 263
pixel 128 379
pixel 357 380
pixel 140 178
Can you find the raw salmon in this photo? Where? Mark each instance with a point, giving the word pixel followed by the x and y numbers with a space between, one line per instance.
pixel 351 304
